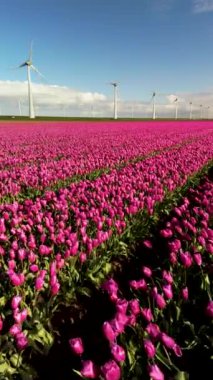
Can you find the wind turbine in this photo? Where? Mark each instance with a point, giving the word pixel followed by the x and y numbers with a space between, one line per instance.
pixel 190 112
pixel 29 64
pixel 208 112
pixel 153 105
pixel 115 85
pixel 176 108
pixel 201 111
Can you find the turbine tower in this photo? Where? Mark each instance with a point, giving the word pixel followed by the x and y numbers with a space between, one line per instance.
pixel 29 64
pixel 176 108
pixel 153 105
pixel 190 112
pixel 201 111
pixel 115 85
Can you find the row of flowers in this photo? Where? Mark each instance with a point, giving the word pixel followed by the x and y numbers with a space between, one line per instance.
pixel 39 239
pixel 148 327
pixel 40 157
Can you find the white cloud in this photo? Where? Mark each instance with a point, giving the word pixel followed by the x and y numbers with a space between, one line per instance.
pixel 200 6
pixel 53 100
pixel 13 93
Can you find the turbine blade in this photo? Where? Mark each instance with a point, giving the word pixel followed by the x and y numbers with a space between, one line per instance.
pixel 22 65
pixel 31 51
pixel 36 70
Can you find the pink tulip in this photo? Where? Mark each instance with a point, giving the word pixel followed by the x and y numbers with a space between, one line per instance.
pixel 15 302
pixel 197 259
pixel 149 348
pixel 155 373
pixel 147 271
pixel 118 352
pixel 1 323
pixel 186 259
pixel 168 341
pixel 15 329
pixel 167 276
pixel 160 301
pixel 76 345
pixel 88 369
pixel 134 306
pixel 167 289
pixel 111 371
pixel 108 331
pixel 185 293
pixel 153 330
pixel 209 309
pixel 147 314
pixel 121 306
pixel 21 340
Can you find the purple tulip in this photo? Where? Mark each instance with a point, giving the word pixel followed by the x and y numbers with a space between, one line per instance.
pixel 185 293
pixel 186 259
pixel 167 289
pixel 15 329
pixel 1 323
pixel 149 348
pixel 118 352
pixel 153 330
pixel 76 345
pixel 121 306
pixel 134 306
pixel 146 271
pixel 160 301
pixel 111 371
pixel 168 341
pixel 197 259
pixel 167 277
pixel 88 369
pixel 21 341
pixel 209 309
pixel 155 373
pixel 108 331
pixel 147 314
pixel 15 302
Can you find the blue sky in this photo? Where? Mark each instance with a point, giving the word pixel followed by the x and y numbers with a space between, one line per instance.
pixel 146 45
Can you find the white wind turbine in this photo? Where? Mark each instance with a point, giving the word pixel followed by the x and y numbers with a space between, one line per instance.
pixel 115 85
pixel 153 105
pixel 190 111
pixel 176 108
pixel 201 111
pixel 29 64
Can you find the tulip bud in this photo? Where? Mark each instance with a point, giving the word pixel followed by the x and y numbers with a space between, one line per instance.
pixel 76 345
pixel 118 353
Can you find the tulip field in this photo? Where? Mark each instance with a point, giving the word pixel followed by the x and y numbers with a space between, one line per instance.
pixel 106 248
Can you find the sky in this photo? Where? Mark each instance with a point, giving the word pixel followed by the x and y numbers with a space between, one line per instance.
pixel 80 46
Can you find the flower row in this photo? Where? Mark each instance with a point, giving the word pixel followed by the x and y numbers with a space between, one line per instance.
pixel 144 324
pixel 40 157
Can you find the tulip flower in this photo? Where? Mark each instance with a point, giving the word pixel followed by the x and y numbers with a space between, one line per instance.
pixel 111 371
pixel 155 373
pixel 108 331
pixel 209 309
pixel 118 352
pixel 76 345
pixel 149 348
pixel 88 369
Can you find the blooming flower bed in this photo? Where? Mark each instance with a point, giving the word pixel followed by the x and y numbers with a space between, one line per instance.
pixel 39 156
pixel 163 304
pixel 50 245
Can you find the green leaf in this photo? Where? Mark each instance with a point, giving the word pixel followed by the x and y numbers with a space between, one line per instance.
pixel 181 376
pixel 5 369
pixel 16 360
pixel 3 301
